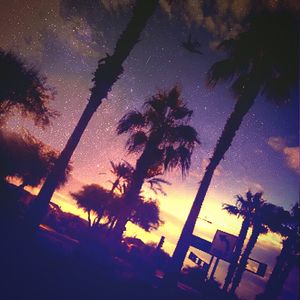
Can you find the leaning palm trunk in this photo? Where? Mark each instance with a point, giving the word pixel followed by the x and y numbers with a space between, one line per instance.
pixel 131 195
pixel 237 253
pixel 108 71
pixel 292 260
pixel 279 274
pixel 243 262
pixel 243 105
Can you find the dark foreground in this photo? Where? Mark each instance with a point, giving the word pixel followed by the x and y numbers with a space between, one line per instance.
pixel 74 262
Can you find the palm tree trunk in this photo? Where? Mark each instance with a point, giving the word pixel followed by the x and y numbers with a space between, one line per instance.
pixel 236 253
pixel 291 261
pixel 277 278
pixel 243 262
pixel 130 200
pixel 242 106
pixel 133 191
pixel 107 73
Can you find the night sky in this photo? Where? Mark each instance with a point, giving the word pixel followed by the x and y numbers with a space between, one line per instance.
pixel 64 39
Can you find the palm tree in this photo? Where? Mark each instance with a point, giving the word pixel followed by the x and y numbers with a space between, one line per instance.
pixel 108 71
pixel 23 89
pixel 123 173
pixel 288 256
pixel 163 137
pixel 258 62
pixel 266 217
pixel 244 208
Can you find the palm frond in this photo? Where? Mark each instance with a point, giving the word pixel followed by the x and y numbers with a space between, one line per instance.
pixel 156 185
pixel 171 158
pixel 184 155
pixel 277 90
pixel 158 180
pixel 131 121
pixel 114 167
pixel 220 71
pixel 181 112
pixel 268 62
pixel 231 209
pixel 136 141
pixel 157 103
pixel 123 169
pixel 156 169
pixel 173 97
pixel 184 134
pixel 179 157
pixel 241 203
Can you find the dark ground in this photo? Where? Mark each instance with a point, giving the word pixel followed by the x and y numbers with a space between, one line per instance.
pixel 81 264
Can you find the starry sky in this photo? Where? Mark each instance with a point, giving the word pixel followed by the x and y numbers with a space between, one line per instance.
pixel 64 40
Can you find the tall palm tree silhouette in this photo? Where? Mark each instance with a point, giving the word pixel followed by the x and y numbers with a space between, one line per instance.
pixel 259 62
pixel 108 71
pixel 266 217
pixel 245 208
pixel 288 257
pixel 163 137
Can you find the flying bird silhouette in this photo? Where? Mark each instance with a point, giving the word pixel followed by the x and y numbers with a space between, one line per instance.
pixel 192 45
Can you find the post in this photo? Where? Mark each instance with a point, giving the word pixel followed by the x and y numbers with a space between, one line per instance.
pixel 161 242
pixel 214 269
pixel 210 262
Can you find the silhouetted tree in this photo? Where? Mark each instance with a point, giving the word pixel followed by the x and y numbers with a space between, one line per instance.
pixel 146 215
pixel 245 208
pixel 288 257
pixel 23 90
pixel 93 198
pixel 123 172
pixel 108 71
pixel 163 137
pixel 27 158
pixel 258 62
pixel 267 217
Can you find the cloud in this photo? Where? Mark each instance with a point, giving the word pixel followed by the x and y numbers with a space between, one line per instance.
pixel 277 143
pixel 292 157
pixel 291 154
pixel 222 18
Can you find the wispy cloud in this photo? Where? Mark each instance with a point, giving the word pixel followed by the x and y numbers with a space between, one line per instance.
pixel 291 154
